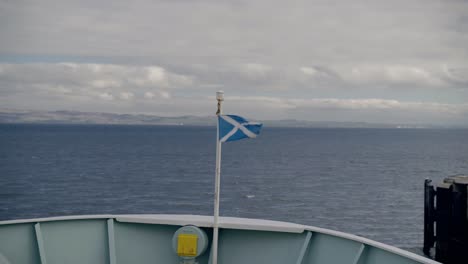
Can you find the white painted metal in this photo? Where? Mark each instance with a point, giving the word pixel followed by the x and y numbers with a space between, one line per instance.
pixel 56 218
pixel 40 243
pixel 373 243
pixel 207 221
pixel 4 260
pixel 111 241
pixel 231 223
pixel 219 98
pixel 359 254
pixel 300 258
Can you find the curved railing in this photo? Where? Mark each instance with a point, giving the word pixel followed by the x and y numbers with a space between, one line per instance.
pixel 147 239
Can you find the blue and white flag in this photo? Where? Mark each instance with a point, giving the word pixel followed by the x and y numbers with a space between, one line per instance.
pixel 233 127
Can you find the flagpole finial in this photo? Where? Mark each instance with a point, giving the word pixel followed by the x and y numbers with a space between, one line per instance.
pixel 220 95
pixel 220 98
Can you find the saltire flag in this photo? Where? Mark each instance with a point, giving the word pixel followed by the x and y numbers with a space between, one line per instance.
pixel 232 127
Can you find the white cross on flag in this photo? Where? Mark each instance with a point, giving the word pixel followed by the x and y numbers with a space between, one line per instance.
pixel 233 127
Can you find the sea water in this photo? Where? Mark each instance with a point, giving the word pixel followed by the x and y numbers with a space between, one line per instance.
pixel 367 182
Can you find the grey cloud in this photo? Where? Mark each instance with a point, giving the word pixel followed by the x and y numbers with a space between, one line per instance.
pixel 319 72
pixel 395 74
pixel 241 31
pixel 456 75
pixel 361 110
pixel 90 78
pixel 402 51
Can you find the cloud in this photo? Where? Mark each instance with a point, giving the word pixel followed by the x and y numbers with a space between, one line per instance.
pixel 314 60
pixel 353 110
pixel 127 81
pixel 354 104
pixel 256 70
pixel 394 74
pixel 458 75
pixel 308 32
pixel 126 95
pixel 165 94
pixel 149 95
pixel 106 96
pixel 157 75
pixel 105 83
pixel 319 74
pixel 309 71
pixel 161 94
pixel 344 93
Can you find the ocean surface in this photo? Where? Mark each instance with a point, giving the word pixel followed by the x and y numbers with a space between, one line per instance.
pixel 367 182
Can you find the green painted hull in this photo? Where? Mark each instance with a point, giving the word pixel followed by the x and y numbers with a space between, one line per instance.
pixel 147 239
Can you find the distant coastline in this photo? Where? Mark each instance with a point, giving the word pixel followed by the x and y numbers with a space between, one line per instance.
pixel 94 118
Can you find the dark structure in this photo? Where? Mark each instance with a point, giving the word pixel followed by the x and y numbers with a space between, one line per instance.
pixel 446 220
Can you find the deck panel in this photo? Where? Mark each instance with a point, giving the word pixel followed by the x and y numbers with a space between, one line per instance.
pixel 379 256
pixel 331 250
pixel 144 243
pixel 254 247
pixel 79 241
pixel 18 244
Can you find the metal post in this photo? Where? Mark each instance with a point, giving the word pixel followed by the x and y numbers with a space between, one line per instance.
pixel 220 98
pixel 443 228
pixel 429 211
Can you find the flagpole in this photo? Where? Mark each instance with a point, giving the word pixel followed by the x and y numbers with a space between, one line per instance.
pixel 220 98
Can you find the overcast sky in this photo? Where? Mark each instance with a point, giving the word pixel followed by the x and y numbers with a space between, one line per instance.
pixel 373 61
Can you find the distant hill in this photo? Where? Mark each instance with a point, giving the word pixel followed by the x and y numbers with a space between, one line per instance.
pixel 76 117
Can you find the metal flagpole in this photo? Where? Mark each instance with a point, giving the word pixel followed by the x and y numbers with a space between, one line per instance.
pixel 220 98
